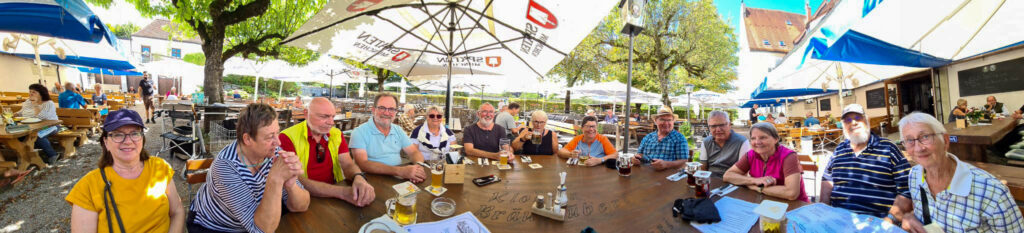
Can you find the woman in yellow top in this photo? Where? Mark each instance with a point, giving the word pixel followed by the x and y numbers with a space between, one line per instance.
pixel 144 197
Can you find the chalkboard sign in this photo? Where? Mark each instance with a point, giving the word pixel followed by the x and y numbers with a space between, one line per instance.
pixel 1004 76
pixel 876 98
pixel 826 104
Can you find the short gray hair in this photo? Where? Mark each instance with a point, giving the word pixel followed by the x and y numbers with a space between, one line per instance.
pixel 718 113
pixel 766 127
pixel 928 120
pixel 435 108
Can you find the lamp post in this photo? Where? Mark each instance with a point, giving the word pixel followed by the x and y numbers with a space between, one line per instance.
pixel 689 89
pixel 366 79
pixel 633 13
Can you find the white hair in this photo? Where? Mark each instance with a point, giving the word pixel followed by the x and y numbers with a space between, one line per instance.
pixel 435 108
pixel 928 120
pixel 718 113
pixel 539 114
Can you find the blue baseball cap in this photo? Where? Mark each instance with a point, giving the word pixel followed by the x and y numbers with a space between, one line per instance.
pixel 122 117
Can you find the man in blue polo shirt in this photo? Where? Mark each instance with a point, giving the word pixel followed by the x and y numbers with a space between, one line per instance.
pixel 376 144
pixel 868 173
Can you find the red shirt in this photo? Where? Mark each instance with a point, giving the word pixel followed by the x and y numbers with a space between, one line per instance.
pixel 316 171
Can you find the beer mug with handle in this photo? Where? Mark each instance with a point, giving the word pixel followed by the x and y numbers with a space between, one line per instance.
pixel 402 209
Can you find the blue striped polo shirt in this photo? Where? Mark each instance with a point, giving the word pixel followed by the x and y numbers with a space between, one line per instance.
pixel 227 201
pixel 867 183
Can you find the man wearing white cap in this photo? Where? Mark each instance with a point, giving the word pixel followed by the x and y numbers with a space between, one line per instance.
pixel 667 148
pixel 868 173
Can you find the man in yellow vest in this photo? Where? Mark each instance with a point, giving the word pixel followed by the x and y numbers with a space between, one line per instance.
pixel 324 155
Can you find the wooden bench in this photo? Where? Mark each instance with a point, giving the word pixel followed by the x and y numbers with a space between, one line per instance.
pixel 81 122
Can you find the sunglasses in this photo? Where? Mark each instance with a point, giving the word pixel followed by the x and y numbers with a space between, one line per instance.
pixel 320 151
pixel 435 116
pixel 850 119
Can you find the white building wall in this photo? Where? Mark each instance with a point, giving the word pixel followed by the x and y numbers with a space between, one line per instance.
pixel 1012 100
pixel 163 46
pixel 17 73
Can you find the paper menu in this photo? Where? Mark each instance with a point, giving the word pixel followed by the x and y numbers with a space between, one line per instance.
pixel 737 216
pixel 819 217
pixel 465 222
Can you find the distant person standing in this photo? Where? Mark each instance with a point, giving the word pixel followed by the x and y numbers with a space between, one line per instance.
pixel 506 119
pixel 753 115
pixel 609 117
pixel 146 89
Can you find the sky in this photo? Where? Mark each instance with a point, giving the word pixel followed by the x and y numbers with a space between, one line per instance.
pixel 730 9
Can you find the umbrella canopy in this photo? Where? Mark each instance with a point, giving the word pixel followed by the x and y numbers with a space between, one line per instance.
pixel 919 33
pixel 766 102
pixel 107 71
pixel 396 85
pixel 613 89
pixel 99 55
pixel 434 38
pixel 707 98
pixel 68 19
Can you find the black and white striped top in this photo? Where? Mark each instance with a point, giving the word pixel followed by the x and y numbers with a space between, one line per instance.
pixel 228 200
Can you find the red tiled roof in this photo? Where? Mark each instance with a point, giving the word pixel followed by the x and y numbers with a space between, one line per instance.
pixel 156 30
pixel 824 9
pixel 771 25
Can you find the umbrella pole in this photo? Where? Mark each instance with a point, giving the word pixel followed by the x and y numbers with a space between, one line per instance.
pixel 256 90
pixel 629 88
pixel 279 89
pixel 331 85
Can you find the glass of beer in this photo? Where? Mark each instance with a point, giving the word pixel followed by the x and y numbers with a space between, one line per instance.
pixel 436 176
pixel 584 157
pixel 536 138
pixel 703 183
pixel 691 168
pixel 503 158
pixel 404 211
pixel 624 164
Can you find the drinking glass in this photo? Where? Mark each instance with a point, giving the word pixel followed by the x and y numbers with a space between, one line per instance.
pixel 404 211
pixel 436 174
pixel 536 138
pixel 624 164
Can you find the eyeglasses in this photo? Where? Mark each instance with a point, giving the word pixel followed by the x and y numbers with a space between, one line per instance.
pixel 120 137
pixel 925 140
pixel 718 126
pixel 850 119
pixel 435 116
pixel 387 110
pixel 485 112
pixel 539 122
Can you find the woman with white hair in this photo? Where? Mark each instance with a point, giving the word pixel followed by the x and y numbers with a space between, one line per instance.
pixel 546 145
pixel 949 194
pixel 433 138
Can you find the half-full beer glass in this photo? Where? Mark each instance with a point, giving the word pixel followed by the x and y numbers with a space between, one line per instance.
pixel 436 175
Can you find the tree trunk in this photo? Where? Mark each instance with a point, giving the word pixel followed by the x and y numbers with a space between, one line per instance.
pixel 214 69
pixel 568 107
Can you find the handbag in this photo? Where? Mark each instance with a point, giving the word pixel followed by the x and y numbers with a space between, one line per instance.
pixel 111 204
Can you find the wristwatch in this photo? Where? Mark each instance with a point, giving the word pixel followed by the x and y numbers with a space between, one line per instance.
pixel 363 174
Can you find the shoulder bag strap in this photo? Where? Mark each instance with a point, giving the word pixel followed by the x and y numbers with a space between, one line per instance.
pixel 924 206
pixel 112 204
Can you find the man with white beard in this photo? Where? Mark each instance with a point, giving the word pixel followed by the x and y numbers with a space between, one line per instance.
pixel 868 173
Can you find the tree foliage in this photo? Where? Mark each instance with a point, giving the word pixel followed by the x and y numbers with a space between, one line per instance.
pixel 579 66
pixel 228 28
pixel 124 31
pixel 683 41
pixel 381 75
pixel 195 58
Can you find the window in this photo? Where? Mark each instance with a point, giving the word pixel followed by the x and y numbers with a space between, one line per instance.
pixel 767 43
pixel 789 23
pixel 145 51
pixel 176 53
pixel 782 43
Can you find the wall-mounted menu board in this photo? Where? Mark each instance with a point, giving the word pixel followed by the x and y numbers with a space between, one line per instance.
pixel 992 78
pixel 826 104
pixel 875 98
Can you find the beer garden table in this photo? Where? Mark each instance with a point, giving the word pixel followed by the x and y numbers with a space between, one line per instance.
pixel 598 198
pixel 26 155
pixel 970 143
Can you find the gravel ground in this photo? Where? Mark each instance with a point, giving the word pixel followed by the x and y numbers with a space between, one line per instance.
pixel 37 203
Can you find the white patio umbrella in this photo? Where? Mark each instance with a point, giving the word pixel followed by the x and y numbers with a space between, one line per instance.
pixel 522 38
pixel 276 69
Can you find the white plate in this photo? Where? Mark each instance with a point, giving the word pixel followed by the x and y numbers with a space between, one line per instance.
pixel 31 120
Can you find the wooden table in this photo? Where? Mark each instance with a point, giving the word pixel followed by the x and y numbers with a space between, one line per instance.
pixel 24 148
pixel 970 143
pixel 598 197
pixel 12 100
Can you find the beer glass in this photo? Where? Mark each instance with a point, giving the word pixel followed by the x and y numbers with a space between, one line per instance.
pixel 584 156
pixel 404 211
pixel 703 183
pixel 691 168
pixel 624 164
pixel 436 174
pixel 536 138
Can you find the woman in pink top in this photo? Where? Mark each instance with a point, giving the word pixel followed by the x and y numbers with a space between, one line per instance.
pixel 768 167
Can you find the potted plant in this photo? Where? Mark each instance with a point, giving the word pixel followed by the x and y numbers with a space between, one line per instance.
pixel 974 114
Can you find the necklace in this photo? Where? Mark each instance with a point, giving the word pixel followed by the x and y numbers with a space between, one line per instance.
pixel 251 165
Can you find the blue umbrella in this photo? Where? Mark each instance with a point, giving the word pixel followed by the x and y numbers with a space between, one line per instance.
pixel 68 19
pixel 102 71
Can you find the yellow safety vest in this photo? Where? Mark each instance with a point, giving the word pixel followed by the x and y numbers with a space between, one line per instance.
pixel 298 132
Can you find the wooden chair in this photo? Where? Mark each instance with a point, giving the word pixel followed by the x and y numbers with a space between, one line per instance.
pixel 115 105
pixel 80 122
pixel 807 164
pixel 195 173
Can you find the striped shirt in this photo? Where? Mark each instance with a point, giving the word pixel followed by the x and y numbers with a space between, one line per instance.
pixel 975 201
pixel 671 148
pixel 228 200
pixel 867 182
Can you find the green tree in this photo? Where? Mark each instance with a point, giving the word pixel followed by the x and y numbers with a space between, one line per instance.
pixel 683 41
pixel 124 31
pixel 580 66
pixel 228 28
pixel 195 58
pixel 381 75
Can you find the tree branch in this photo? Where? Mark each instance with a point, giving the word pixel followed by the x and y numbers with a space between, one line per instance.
pixel 243 12
pixel 251 46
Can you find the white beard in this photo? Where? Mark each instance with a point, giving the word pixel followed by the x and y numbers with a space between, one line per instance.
pixel 858 137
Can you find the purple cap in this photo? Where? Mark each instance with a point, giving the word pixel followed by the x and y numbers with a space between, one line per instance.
pixel 122 117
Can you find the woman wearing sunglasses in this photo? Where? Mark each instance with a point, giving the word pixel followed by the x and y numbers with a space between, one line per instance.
pixel 130 191
pixel 432 137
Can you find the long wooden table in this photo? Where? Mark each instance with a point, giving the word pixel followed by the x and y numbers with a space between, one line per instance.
pixel 1012 177
pixel 26 155
pixel 598 197
pixel 970 143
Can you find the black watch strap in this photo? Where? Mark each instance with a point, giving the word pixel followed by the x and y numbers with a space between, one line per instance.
pixel 363 174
